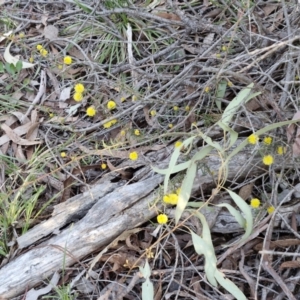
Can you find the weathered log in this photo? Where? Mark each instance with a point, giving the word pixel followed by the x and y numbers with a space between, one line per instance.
pixel 107 214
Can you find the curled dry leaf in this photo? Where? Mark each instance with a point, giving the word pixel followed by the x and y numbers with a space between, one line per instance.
pixel 5 35
pixel 13 60
pixel 17 131
pixel 20 116
pixel 16 139
pixel 246 190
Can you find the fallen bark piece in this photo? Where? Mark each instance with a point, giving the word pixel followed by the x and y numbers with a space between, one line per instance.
pixel 106 219
pixel 70 211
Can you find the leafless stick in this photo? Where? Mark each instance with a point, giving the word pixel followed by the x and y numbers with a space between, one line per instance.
pixel 39 95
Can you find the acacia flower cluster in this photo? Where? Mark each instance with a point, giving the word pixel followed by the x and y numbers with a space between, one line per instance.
pixel 280 150
pixel 268 140
pixel 137 132
pixel 91 111
pixel 111 104
pixel 162 219
pixel 63 154
pixel 110 123
pixel 67 60
pixel 133 155
pixel 270 209
pixel 268 160
pixel 79 89
pixel 171 199
pixel 255 203
pixel 178 144
pixel 42 51
pixel 153 113
pixel 253 139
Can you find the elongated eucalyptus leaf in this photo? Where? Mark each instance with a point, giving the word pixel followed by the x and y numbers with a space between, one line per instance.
pixel 185 191
pixel 245 208
pixel 210 257
pixel 235 104
pixel 210 142
pixel 202 153
pixel 147 286
pixel 176 169
pixel 233 135
pixel 229 286
pixel 201 247
pixel 221 89
pixel 195 204
pixel 239 218
pixel 173 161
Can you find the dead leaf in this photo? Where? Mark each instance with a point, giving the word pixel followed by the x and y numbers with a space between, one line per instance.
pixel 19 154
pixel 34 116
pixel 4 148
pixel 168 16
pixel 65 94
pixel 246 191
pixel 44 19
pixel 55 83
pixel 18 131
pixel 290 264
pixel 269 8
pixel 213 13
pixel 146 114
pixel 16 139
pixel 32 132
pixel 20 117
pixel 76 53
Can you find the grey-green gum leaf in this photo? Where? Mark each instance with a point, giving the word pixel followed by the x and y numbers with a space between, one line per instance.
pixel 173 161
pixel 229 286
pixel 245 208
pixel 238 216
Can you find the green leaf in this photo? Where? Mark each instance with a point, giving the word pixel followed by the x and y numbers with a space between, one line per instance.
pixel 147 290
pixel 19 66
pixel 229 286
pixel 233 134
pixel 147 286
pixel 10 68
pixel 242 97
pixel 176 169
pixel 173 160
pixel 239 218
pixel 186 190
pixel 210 266
pixel 195 204
pixel 221 89
pixel 83 7
pixel 246 210
pixel 209 141
pixel 1 67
